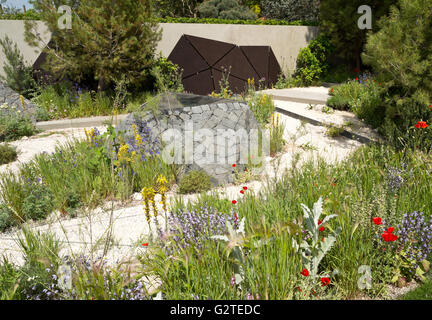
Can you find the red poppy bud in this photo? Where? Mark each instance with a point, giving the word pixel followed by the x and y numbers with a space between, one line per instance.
pixel 241 191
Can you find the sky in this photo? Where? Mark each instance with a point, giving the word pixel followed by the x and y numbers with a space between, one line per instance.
pixel 18 3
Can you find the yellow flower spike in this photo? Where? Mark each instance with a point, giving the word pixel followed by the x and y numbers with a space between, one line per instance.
pixel 22 101
pixel 135 129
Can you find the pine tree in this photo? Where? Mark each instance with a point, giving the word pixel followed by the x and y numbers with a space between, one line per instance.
pixel 401 54
pixel 108 40
pixel 18 75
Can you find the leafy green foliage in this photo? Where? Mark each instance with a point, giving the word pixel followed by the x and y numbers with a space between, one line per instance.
pixel 225 9
pixel 404 62
pixel 175 8
pixel 194 181
pixel 7 154
pixel 18 75
pixel 291 10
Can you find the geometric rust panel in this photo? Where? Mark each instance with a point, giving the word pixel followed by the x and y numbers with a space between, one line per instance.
pixel 203 61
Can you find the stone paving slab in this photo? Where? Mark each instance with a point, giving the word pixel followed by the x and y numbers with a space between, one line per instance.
pixel 78 123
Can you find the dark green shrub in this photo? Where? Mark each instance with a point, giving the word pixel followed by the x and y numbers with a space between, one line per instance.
pixel 403 61
pixel 308 67
pixel 225 9
pixel 312 61
pixel 7 154
pixel 195 181
pixel 291 9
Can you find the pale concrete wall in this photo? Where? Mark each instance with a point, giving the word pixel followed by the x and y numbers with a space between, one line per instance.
pixel 15 30
pixel 286 41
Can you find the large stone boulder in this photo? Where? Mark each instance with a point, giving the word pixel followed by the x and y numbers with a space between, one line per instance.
pixel 209 134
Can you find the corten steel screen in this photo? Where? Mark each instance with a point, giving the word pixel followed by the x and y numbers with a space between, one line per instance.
pixel 204 60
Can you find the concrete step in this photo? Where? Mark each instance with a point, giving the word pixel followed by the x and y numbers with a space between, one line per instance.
pixel 316 115
pixel 78 123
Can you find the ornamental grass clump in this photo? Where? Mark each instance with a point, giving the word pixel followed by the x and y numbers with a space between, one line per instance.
pixel 7 154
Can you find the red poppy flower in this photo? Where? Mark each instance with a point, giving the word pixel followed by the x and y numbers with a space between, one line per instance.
pixel 421 124
pixel 234 202
pixel 356 79
pixel 305 272
pixel 145 244
pixel 331 90
pixel 389 237
pixel 430 107
pixel 321 229
pixel 319 222
pixel 234 165
pixel 377 221
pixel 241 191
pixel 325 281
pixel 244 188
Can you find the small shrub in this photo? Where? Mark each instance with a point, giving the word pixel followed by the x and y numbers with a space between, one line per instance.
pixel 262 106
pixel 168 76
pixel 364 97
pixel 38 202
pixel 312 61
pixel 6 219
pixel 195 181
pixel 7 154
pixel 14 125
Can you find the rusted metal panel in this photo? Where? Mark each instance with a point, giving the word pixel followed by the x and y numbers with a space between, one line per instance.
pixel 204 60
